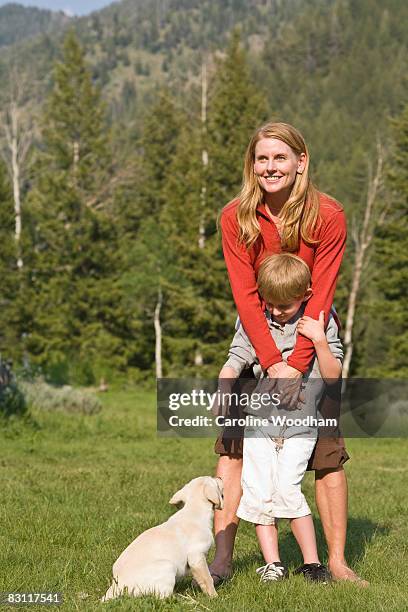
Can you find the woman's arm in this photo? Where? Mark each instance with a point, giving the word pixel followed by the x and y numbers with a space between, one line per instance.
pixel 245 292
pixel 327 261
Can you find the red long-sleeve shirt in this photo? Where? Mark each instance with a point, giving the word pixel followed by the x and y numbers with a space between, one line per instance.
pixel 323 259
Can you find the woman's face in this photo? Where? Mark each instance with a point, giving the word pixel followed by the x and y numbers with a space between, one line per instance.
pixel 276 166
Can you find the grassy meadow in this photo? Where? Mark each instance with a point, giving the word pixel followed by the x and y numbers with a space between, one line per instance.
pixel 75 490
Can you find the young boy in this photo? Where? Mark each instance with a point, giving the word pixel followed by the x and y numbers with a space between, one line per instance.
pixel 276 456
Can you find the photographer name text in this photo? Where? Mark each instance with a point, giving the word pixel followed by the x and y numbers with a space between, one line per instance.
pixel 250 421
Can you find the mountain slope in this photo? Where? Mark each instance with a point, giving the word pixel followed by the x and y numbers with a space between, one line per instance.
pixel 320 63
pixel 18 22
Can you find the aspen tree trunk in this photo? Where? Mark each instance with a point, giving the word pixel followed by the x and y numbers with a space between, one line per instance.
pixel 15 175
pixel 75 163
pixel 76 155
pixel 198 357
pixel 14 147
pixel 158 334
pixel 204 155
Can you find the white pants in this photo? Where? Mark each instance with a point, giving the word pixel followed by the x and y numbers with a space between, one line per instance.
pixel 271 480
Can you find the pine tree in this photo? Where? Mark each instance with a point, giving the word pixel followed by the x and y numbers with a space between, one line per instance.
pixel 149 268
pixel 75 131
pixel 392 262
pixel 182 216
pixel 9 330
pixel 197 314
pixel 78 322
pixel 151 275
pixel 235 110
pixel 157 148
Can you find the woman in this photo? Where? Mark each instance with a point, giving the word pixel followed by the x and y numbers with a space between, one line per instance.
pixel 279 209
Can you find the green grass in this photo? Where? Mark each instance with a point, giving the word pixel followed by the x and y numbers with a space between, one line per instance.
pixel 75 490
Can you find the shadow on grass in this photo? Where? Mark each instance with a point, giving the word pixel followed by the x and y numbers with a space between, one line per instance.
pixel 360 533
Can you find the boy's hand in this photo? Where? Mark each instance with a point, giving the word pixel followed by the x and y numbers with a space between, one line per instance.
pixel 312 329
pixel 286 381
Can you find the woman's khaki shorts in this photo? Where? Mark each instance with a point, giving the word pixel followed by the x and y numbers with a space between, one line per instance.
pixel 329 452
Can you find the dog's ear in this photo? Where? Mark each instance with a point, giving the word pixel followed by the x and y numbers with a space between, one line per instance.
pixel 178 498
pixel 213 493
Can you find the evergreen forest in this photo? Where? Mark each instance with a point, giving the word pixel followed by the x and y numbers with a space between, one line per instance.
pixel 122 136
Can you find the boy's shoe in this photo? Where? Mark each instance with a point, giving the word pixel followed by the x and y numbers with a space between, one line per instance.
pixel 315 572
pixel 272 572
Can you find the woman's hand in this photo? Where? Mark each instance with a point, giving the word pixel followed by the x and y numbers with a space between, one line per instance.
pixel 311 328
pixel 275 370
pixel 283 370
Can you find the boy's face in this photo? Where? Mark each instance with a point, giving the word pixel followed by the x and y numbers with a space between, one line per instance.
pixel 282 313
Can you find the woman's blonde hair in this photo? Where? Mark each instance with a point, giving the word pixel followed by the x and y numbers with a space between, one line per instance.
pixel 300 214
pixel 283 278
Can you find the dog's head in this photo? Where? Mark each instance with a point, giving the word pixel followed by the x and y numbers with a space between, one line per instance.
pixel 204 486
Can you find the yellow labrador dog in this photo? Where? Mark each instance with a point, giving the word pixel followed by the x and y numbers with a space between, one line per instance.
pixel 156 558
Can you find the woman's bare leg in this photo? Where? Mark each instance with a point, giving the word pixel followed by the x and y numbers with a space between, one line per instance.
pixel 331 500
pixel 226 521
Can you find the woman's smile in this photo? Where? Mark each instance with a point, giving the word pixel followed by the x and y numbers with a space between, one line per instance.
pixel 273 179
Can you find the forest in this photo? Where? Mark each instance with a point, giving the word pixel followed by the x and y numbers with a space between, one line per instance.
pixel 122 136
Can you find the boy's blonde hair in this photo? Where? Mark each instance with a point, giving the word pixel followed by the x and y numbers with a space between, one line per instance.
pixel 283 278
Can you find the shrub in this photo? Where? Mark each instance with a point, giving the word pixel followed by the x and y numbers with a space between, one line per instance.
pixel 43 396
pixel 12 400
